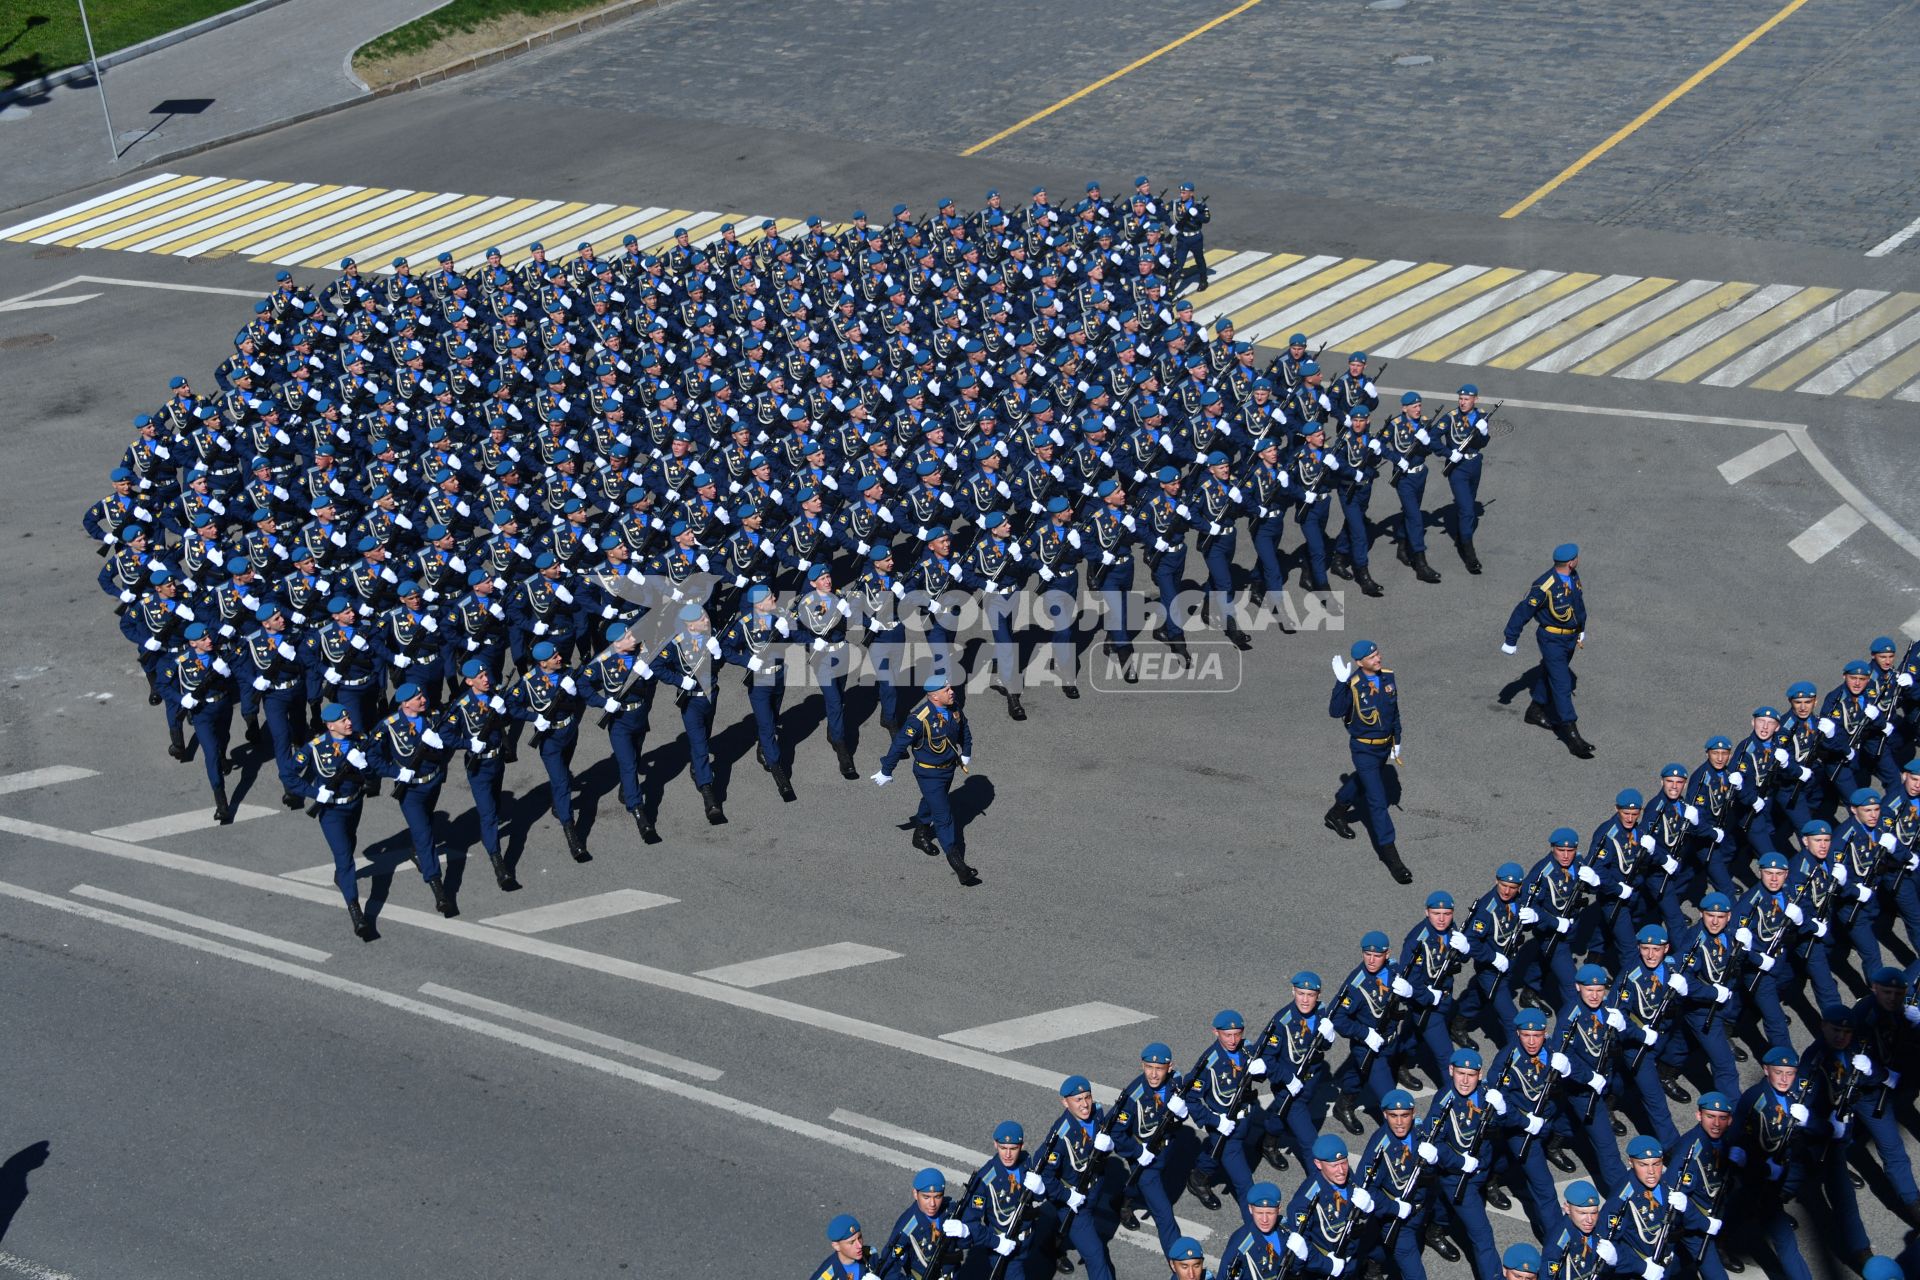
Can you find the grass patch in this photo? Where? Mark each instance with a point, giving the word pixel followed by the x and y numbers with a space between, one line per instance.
pixel 42 36
pixel 462 17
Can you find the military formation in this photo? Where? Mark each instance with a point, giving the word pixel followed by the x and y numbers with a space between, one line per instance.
pixel 419 521
pixel 1565 1019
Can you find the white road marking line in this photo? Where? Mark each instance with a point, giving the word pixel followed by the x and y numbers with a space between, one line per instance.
pixel 1236 263
pixel 160 284
pixel 1629 321
pixel 368 233
pixel 1706 420
pixel 289 215
pixel 1259 289
pixel 463 214
pixel 89 225
pixel 192 209
pixel 1318 302
pixel 911 1138
pixel 1381 312
pixel 646 975
pixel 1880 250
pixel 1832 529
pixel 312 875
pixel 481 234
pixel 597 906
pixel 1688 341
pixel 50 776
pixel 1755 361
pixel 1542 320
pixel 22 228
pixel 49 302
pixel 292 201
pixel 347 213
pixel 1850 366
pixel 533 233
pixel 1446 322
pixel 585 1035
pixel 1757 459
pixel 798 964
pixel 660 235
pixel 234 932
pixel 30 1269
pixel 1912 626
pixel 179 824
pixel 508 1035
pixel 1055 1024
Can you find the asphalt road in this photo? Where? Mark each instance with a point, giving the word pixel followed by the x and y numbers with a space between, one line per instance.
pixel 1157 851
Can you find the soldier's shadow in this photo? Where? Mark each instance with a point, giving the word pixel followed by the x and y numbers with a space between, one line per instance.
pixel 1523 682
pixel 972 797
pixel 13 1180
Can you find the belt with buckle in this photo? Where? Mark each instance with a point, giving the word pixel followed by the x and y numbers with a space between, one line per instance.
pixel 1561 631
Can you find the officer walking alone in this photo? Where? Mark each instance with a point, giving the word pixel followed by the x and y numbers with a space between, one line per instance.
pixel 1366 697
pixel 1556 603
pixel 936 734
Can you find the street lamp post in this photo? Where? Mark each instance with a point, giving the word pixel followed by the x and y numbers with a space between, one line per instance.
pixel 99 83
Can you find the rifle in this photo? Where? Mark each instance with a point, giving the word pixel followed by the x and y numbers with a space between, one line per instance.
pixel 942 1252
pixel 1021 1221
pixel 1773 952
pixel 1096 1165
pixel 1315 1053
pixel 1413 1188
pixel 1666 1001
pixel 1504 428
pixel 1219 1140
pixel 1853 912
pixel 1315 357
pixel 1389 1016
pixel 1546 1088
pixel 1606 1052
pixel 1479 1142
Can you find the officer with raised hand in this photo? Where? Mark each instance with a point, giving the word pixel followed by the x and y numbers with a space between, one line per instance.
pixel 938 737
pixel 1150 1110
pixel 548 697
pixel 333 769
pixel 1370 1010
pixel 1291 1058
pixel 477 720
pixel 1557 605
pixel 1575 1248
pixel 1460 1127
pixel 1366 698
pixel 620 683
pixel 407 746
pixel 1219 1092
pixel 1002 1211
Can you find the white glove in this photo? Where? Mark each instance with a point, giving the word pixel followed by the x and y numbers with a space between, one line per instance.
pixel 1336 1266
pixel 1559 1065
pixel 1616 1020
pixel 1500 962
pixel 1177 1105
pixel 1721 994
pixel 1598 1083
pixel 1006 1246
pixel 1692 814
pixel 1759 803
pixel 965 761
pixel 1341 668
pixel 1362 1199
pixel 1886 840
pixel 1469 1164
pixel 1862 1063
pixel 323 795
pixel 1326 1031
pixel 1825 725
pixel 1535 1124
pixel 1498 1101
pixel 1608 1254
pixel 1679 984
pixel 402 660
pixel 1509 648
pixel 1872 711
pixel 1589 877
pixel 151 645
pixel 1529 916
pixel 1718 835
pixel 1678 1199
pixel 1428 1153
pixel 1074 1200
pixel 1799 1113
pixel 1655 1271
pixel 286 651
pixel 1794 913
pixel 955 1228
pixel 1626 891
pixel 1766 962
pixel 1743 937
pixel 1102 1142
pixel 1031 1181
pixel 332 675
pixel 1297 1245
pixel 1403 988
pixel 357 758
pixel 1806 774
pixel 881 779
pixel 1458 942
pixel 1374 1042
pixel 476 746
pixel 188 701
pixel 1258 1067
pixel 1670 865
pixel 1865 891
pixel 1646 842
pixel 1294 1087
pixel 1144 1159
pixel 1819 928
pixel 1402 1208
pixel 1562 924
pixel 1225 1126
pixel 1736 781
pixel 1713 1225
pixel 542 724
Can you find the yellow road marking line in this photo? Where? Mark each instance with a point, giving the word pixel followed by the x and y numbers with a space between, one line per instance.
pixel 1500 317
pixel 1808 360
pixel 1260 308
pixel 1734 341
pixel 1607 359
pixel 1440 304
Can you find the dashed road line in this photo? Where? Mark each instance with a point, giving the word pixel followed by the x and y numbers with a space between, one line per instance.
pixel 51 776
pixel 585 1035
pixel 1757 459
pixel 598 906
pixel 1054 1024
pixel 1827 533
pixel 219 929
pixel 798 964
pixel 179 824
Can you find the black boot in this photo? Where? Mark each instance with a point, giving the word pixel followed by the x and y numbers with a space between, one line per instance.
pixel 1468 558
pixel 1274 1152
pixel 1197 1188
pixel 760 755
pixel 1015 711
pixel 1422 570
pixel 1497 1197
pixel 1537 716
pixel 1458 1030
pixel 222 807
pixel 844 754
pixel 442 900
pixel 968 876
pixel 1367 585
pixel 1619 1127
pixel 1129 670
pixel 1400 552
pixel 1579 746
pixel 1337 823
pixel 1671 1086
pixel 575 846
pixel 1241 640
pixel 1438 1242
pixel 362 927
pixel 716 816
pixel 256 733
pixel 782 783
pixel 923 840
pixel 1338 566
pixel 644 821
pixel 1558 1156
pixel 1343 1112
pixel 1130 1218
pixel 502 874
pixel 1072 691
pixel 1390 858
pixel 179 752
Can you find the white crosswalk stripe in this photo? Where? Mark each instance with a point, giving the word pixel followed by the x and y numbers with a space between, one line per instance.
pixel 1679 347
pixel 1543 319
pixel 1381 312
pixel 1621 326
pixel 1758 359
pixel 1307 306
pixel 1442 325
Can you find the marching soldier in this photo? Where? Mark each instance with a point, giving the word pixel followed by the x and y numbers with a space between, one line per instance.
pixel 1460 1129
pixel 1558 606
pixel 1073 1160
pixel 1258 1249
pixel 1148 1113
pixel 750 641
pixel 203 688
pixel 822 615
pixel 686 662
pixel 1409 441
pixel 1366 698
pixel 1698 1168
pixel 1290 1058
pixel 1219 1093
pixel 1398 1174
pixel 270 666
pixel 1370 1011
pixel 621 684
pixel 1008 1189
pixel 922 1241
pixel 850 1255
pixel 478 720
pixel 1575 1249
pixel 333 769
pixel 549 698
pixel 938 738
pixel 407 747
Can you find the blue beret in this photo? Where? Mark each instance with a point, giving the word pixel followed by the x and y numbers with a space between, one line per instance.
pixel 1262 384
pixel 1057 504
pixel 1468 389
pixel 1530 1020
pixel 1510 873
pixel 1590 975
pixel 1411 397
pixel 196 631
pixel 691 610
pixel 677 528
pixel 1773 860
pixel 1837 1014
pixel 934 684
pixel 842 1227
pixel 1329 1147
pixel 1167 475
pixel 1306 980
pixel 1643 1148
pixel 1582 1194
pixel 472 667
pixel 238 565
pixel 1565 551
pixel 1714 1100
pixel 1522 1257
pixel 119 474
pixel 1107 488
pixel 1882 1268
pixel 1229 1020
pixel 1673 769
pixel 1881 644
pixel 1802 689
pixel 929 1180
pixel 1359 411
pixel 339 604
pixel 1567 835
pixel 1715 901
pixel 1157 1052
pixel 1263 1195
pixel 1397 1100
pixel 1765 709
pixel 1187 1249
pixel 1816 827
pixel 1466 1059
pixel 879 553
pixel 757 592
pixel 543 651
pixel 1779 1056
pixel 1375 941
pixel 1863 795
pixel 993 520
pixel 617 631
pixel 822 570
pixel 935 532
pixel 266 611
pixel 331 711
pixel 1719 742
pixel 1309 367
pixel 367 543
pixel 545 560
pixel 1009 1132
pixel 176 382
pixel 1887 976
pixel 160 577
pixel 1439 899
pixel 807 493
pixel 1652 935
pixel 406 692
pixel 1911 766
pixel 1362 649
pixel 406 588
pixel 1297 340
pixel 1075 1085
pixel 476 576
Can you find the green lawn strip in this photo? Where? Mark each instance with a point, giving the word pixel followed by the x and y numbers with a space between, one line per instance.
pixel 42 36
pixel 459 18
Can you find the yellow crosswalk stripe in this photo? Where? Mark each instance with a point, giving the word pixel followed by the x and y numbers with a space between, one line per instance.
pixel 610 226
pixel 371 203
pixel 289 195
pixel 1889 377
pixel 454 233
pixel 1610 358
pixel 340 200
pixel 1734 341
pixel 86 213
pixel 134 215
pixel 1464 292
pixel 1808 360
pixel 388 245
pixel 1327 317
pixel 150 238
pixel 1261 308
pixel 31 227
pixel 1574 326
pixel 512 238
pixel 1239 280
pixel 1500 317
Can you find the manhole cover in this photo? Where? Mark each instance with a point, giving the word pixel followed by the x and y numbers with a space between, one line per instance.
pixel 1413 60
pixel 25 341
pixel 54 251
